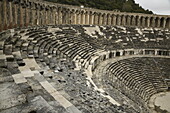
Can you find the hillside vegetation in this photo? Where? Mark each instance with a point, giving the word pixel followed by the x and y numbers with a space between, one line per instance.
pixel 121 5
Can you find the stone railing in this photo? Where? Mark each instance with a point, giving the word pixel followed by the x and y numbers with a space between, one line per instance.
pixel 23 13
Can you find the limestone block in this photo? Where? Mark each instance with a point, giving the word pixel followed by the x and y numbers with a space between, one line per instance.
pixel 19 78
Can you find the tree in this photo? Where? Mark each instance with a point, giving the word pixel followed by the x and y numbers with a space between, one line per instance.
pixel 122 5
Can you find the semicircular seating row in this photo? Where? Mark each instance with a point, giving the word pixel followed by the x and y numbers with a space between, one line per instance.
pixel 75 44
pixel 47 49
pixel 142 76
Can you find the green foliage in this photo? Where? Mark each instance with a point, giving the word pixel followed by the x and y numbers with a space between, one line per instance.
pixel 121 5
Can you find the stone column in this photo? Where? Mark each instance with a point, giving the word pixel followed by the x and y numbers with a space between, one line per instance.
pixel 46 16
pixel 133 21
pixel 1 23
pixel 50 16
pixel 143 22
pixel 53 16
pixel 74 17
pixel 56 15
pixel 96 19
pixel 38 15
pixel 148 22
pixel 21 16
pixel 156 52
pixel 43 16
pixel 100 19
pixel 65 16
pixel 138 21
pixel 27 15
pixel 119 20
pixel 128 20
pixel 78 17
pixel 158 22
pixel 32 16
pixel 114 20
pixel 24 14
pixel 153 22
pixel 124 20
pixel 71 17
pixel 60 16
pixel 86 18
pixel 82 18
pixel 104 19
pixel 4 14
pixel 109 20
pixel 15 15
pixel 10 15
pixel 91 18
pixel 167 23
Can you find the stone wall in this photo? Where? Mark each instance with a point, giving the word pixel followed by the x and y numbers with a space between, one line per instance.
pixel 24 13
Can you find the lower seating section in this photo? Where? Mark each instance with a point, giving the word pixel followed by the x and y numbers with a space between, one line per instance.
pixel 163 65
pixel 143 77
pixel 42 69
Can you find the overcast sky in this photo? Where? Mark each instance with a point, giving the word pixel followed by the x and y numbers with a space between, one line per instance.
pixel 157 6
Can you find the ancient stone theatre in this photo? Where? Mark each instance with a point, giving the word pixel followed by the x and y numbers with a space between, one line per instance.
pixel 57 58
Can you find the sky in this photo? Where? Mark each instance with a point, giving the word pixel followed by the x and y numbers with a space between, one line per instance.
pixel 161 7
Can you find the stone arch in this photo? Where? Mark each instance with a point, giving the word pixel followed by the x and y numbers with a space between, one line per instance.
pixel 91 18
pixel 78 16
pixel 86 17
pixel 100 19
pixel 72 16
pixel 96 18
pixel 68 16
pixel 82 19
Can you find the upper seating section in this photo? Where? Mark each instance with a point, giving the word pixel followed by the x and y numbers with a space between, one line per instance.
pixel 128 37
